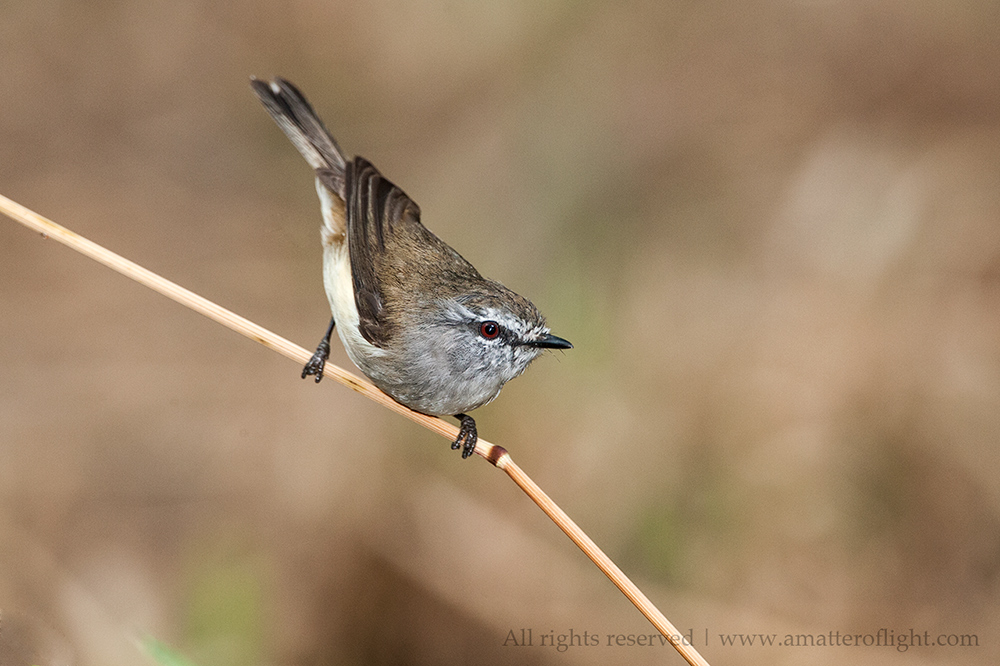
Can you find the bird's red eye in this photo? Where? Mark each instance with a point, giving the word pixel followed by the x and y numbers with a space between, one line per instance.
pixel 489 329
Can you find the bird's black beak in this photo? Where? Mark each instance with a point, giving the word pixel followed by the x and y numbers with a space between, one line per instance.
pixel 549 341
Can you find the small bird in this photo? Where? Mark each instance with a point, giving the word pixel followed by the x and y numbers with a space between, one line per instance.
pixel 413 315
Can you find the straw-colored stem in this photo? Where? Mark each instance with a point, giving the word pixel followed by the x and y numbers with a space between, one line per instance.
pixel 495 454
pixel 603 562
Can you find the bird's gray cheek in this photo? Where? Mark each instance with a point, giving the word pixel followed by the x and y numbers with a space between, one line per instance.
pixel 445 351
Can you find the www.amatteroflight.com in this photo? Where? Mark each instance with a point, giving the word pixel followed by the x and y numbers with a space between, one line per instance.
pixel 900 640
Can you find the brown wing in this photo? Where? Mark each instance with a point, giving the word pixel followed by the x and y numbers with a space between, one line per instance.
pixel 376 209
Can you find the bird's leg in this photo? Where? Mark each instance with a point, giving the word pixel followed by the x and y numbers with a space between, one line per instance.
pixel 318 361
pixel 467 435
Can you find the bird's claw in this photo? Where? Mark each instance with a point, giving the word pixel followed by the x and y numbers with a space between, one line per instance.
pixel 317 362
pixel 467 435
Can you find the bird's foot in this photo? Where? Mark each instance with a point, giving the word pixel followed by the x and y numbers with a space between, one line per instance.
pixel 317 362
pixel 467 435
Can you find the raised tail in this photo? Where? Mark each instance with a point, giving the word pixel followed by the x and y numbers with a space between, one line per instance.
pixel 296 118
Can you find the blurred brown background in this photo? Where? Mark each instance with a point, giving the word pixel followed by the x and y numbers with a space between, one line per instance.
pixel 770 229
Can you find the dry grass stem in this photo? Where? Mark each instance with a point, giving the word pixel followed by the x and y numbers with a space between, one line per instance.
pixel 494 454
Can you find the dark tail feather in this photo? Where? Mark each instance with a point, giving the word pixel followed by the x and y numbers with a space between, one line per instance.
pixel 296 118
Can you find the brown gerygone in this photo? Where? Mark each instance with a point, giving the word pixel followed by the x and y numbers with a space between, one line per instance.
pixel 413 315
